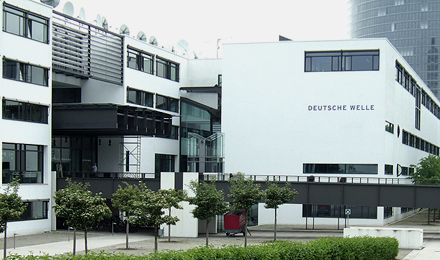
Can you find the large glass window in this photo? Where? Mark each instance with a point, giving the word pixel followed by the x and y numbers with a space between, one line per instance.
pixel 23 23
pixel 164 163
pixel 367 60
pixel 25 72
pixel 35 210
pixel 139 97
pixel 167 69
pixel 340 168
pixel 167 103
pixel 338 211
pixel 22 161
pixel 24 111
pixel 139 60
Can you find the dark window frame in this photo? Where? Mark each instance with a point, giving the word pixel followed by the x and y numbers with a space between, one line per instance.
pixel 140 59
pixel 141 97
pixel 341 60
pixel 167 69
pixel 167 103
pixel 27 112
pixel 27 20
pixel 22 154
pixel 20 71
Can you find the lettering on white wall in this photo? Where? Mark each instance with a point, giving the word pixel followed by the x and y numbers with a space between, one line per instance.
pixel 340 107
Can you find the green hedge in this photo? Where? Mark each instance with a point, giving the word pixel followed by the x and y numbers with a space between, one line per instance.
pixel 369 248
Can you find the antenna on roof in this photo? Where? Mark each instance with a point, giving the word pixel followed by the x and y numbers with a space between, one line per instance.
pixel 141 36
pixel 98 20
pixel 82 14
pixel 53 3
pixel 104 23
pixel 124 30
pixel 68 9
pixel 153 41
pixel 184 49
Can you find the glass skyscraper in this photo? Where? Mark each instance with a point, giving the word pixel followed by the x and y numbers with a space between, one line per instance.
pixel 412 26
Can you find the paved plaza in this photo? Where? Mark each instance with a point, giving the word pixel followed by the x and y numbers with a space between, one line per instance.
pixel 60 242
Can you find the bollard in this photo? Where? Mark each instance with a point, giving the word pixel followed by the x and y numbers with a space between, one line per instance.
pixel 113 225
pixel 14 239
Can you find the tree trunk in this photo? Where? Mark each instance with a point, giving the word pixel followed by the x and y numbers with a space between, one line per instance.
pixel 127 230
pixel 207 232
pixel 85 239
pixel 245 231
pixel 155 237
pixel 74 241
pixel 4 242
pixel 169 227
pixel 275 227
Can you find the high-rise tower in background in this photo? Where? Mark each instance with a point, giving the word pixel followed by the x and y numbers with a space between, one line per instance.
pixel 412 26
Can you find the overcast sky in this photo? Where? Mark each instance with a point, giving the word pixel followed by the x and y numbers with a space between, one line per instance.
pixel 203 22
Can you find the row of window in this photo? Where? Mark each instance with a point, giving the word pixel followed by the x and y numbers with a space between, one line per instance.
pixel 23 111
pixel 419 143
pixel 143 61
pixel 320 168
pixel 22 161
pixel 338 211
pixel 144 98
pixel 26 24
pixel 408 82
pixel 319 61
pixel 25 72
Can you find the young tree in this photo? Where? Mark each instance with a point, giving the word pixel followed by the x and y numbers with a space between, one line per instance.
pixel 150 207
pixel 244 193
pixel 209 202
pixel 11 208
pixel 174 197
pixel 123 199
pixel 427 171
pixel 80 208
pixel 276 196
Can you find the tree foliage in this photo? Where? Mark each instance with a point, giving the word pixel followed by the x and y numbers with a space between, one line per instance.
pixel 244 193
pixel 123 199
pixel 11 208
pixel 276 196
pixel 209 202
pixel 79 207
pixel 427 171
pixel 150 206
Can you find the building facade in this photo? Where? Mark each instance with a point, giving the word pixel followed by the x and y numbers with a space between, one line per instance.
pixel 413 27
pixel 350 108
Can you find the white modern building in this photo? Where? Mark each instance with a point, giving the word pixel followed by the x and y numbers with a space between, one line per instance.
pixel 75 94
pixel 26 92
pixel 351 108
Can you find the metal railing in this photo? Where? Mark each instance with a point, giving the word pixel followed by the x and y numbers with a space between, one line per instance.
pixel 108 175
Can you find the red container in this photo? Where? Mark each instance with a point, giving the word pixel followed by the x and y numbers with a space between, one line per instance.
pixel 235 219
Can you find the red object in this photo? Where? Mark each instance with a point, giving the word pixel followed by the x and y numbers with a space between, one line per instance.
pixel 235 219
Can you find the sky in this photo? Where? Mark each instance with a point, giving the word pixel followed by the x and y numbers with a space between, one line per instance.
pixel 205 23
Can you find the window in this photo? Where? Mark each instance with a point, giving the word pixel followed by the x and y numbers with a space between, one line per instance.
pixel 387 212
pixel 388 169
pixel 167 69
pixel 35 210
pixel 167 103
pixel 419 143
pixel 22 111
pixel 22 161
pixel 23 23
pixel 139 97
pixel 340 168
pixel 338 211
pixel 140 61
pixel 367 60
pixel 164 163
pixel 25 72
pixel 389 127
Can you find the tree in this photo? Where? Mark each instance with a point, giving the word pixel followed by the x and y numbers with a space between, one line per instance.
pixel 244 193
pixel 209 202
pixel 174 197
pixel 11 208
pixel 427 171
pixel 150 207
pixel 123 199
pixel 276 196
pixel 80 208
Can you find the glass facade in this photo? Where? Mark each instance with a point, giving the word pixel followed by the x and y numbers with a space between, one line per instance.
pixel 412 26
